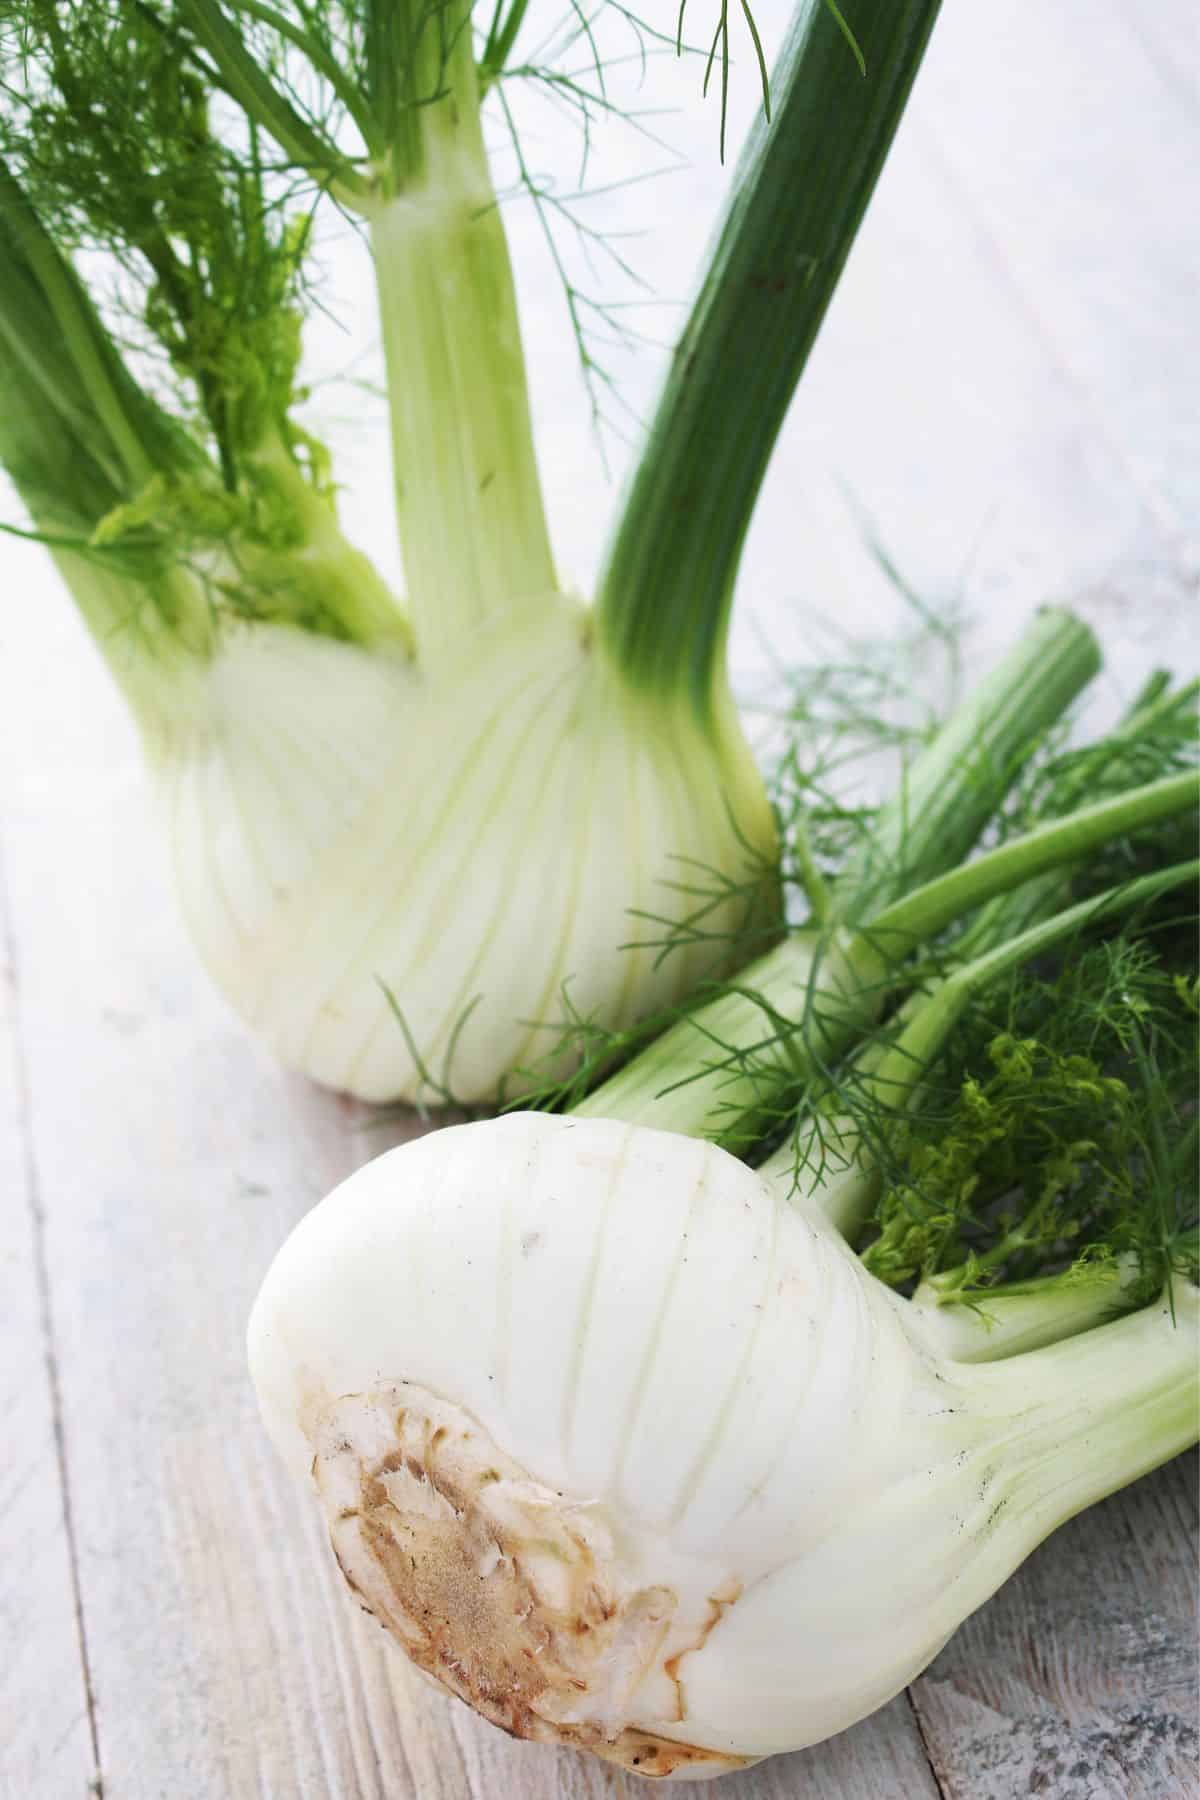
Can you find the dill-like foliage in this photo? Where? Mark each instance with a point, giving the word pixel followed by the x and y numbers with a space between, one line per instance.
pixel 112 120
pixel 719 55
pixel 1027 1145
pixel 1055 1135
pixel 839 733
pixel 180 152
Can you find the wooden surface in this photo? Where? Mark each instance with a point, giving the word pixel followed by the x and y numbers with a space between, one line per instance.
pixel 1005 384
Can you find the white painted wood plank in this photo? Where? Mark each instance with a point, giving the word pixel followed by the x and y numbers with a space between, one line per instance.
pixel 45 1734
pixel 1079 1679
pixel 174 1160
pixel 227 1661
pixel 936 408
pixel 171 1162
pixel 1081 165
pixel 1170 37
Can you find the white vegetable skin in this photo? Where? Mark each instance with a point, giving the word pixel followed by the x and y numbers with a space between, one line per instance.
pixel 739 1416
pixel 343 824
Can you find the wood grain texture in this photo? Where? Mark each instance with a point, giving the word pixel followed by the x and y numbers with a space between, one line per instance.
pixel 45 1732
pixel 1003 386
pixel 227 1659
pixel 1100 265
pixel 1079 1679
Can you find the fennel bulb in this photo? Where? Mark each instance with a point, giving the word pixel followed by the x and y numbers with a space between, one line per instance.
pixel 344 827
pixel 633 1456
pixel 617 1437
pixel 457 800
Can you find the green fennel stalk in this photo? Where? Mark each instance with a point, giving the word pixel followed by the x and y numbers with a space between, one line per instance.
pixel 422 805
pixel 798 198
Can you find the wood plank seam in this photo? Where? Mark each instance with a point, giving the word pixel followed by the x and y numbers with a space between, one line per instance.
pixel 915 1710
pixel 41 1275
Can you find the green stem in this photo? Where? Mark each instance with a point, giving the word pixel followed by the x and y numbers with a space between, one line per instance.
pixel 254 89
pixel 795 205
pixel 920 1042
pixel 1092 1414
pixel 955 785
pixel 79 438
pixel 1011 912
pixel 1005 1322
pixel 472 523
pixel 54 347
pixel 327 67
pixel 725 1067
pixel 320 581
pixel 815 887
pixel 921 915
pixel 891 1075
pixel 501 37
pixel 155 635
pixel 1021 1236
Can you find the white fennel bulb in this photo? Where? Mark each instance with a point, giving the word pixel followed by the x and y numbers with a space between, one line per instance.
pixel 345 827
pixel 633 1456
pixel 464 796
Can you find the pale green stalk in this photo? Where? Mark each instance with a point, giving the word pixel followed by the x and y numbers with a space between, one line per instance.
pixel 1103 1408
pixel 1157 702
pixel 995 1326
pixel 469 502
pixel 722 1068
pixel 1059 843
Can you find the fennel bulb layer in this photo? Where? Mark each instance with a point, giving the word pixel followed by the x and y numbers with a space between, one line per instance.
pixel 346 827
pixel 633 1456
